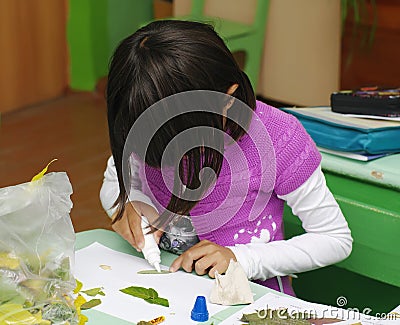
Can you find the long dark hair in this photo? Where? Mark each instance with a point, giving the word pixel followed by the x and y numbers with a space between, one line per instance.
pixel 162 59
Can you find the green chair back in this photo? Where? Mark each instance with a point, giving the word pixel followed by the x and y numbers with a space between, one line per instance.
pixel 239 36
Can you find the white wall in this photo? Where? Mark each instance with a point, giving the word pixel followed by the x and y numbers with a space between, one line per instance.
pixel 301 60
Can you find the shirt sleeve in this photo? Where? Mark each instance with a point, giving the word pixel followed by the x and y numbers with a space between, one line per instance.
pixel 327 239
pixel 110 188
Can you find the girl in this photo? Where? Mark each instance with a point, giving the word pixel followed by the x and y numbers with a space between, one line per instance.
pixel 167 58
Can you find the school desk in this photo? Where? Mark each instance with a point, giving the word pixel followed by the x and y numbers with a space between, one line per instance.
pixel 115 242
pixel 369 195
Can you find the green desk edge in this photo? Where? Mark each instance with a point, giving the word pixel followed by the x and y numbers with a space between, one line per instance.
pixel 383 171
pixel 114 241
pixel 369 196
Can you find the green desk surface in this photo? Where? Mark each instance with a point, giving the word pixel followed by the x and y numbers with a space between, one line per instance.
pixel 369 196
pixel 114 241
pixel 383 171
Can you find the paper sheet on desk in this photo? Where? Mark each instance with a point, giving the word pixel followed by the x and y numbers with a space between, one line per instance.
pixel 295 305
pixel 374 117
pixel 179 288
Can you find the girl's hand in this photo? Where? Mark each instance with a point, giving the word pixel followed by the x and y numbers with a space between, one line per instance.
pixel 129 226
pixel 205 256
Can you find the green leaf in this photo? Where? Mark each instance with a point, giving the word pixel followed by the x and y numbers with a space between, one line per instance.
pixel 91 303
pixel 139 292
pixel 153 272
pixel 158 301
pixel 153 293
pixel 150 295
pixel 94 292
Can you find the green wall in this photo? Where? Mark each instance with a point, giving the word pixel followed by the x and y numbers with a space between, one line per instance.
pixel 94 29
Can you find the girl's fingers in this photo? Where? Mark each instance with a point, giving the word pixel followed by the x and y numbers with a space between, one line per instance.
pixel 194 253
pixel 135 227
pixel 214 269
pixel 203 264
pixel 122 228
pixel 157 235
pixel 216 261
pixel 151 214
pixel 130 225
pixel 203 256
pixel 206 257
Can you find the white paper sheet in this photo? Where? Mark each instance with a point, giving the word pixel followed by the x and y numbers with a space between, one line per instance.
pixel 295 305
pixel 180 288
pixel 374 117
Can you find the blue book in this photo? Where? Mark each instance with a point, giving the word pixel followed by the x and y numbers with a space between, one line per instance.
pixel 353 155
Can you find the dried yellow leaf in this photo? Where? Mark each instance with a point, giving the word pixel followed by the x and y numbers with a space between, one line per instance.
pixel 105 267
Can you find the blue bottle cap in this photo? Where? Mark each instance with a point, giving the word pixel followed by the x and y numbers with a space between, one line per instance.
pixel 199 311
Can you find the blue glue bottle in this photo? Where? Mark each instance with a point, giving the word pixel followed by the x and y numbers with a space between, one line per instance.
pixel 150 251
pixel 199 311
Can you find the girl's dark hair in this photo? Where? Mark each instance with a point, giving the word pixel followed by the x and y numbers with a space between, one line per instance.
pixel 162 59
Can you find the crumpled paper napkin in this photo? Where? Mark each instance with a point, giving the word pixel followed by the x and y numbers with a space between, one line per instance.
pixel 232 288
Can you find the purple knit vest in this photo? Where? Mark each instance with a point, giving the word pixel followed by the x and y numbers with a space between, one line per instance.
pixel 242 207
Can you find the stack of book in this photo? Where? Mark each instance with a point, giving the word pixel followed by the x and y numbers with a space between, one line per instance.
pixel 356 137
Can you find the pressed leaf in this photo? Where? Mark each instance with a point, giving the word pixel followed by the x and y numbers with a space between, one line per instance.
pixel 139 292
pixel 94 292
pixel 78 286
pixel 250 317
pixel 150 295
pixel 105 267
pixel 78 302
pixel 158 301
pixel 153 293
pixel 157 320
pixel 82 319
pixel 44 171
pixel 153 272
pixel 91 303
pixel 273 317
pixel 154 321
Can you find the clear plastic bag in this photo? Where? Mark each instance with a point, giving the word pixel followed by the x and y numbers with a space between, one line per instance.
pixel 36 252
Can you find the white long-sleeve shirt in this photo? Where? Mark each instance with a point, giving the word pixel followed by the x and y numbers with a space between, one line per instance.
pixel 327 239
